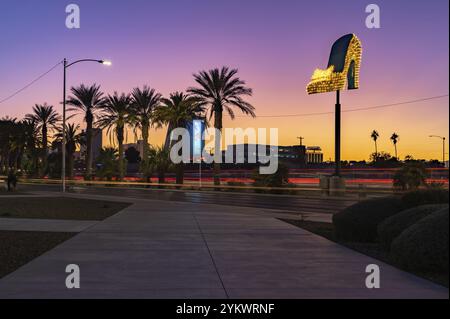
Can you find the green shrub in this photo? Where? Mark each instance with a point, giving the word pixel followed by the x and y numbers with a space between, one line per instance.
pixel 278 179
pixel 425 197
pixel 393 226
pixel 410 176
pixel 359 222
pixel 425 245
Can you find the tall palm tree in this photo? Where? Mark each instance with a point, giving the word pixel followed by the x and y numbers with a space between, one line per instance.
pixel 116 114
pixel 394 139
pixel 86 100
pixel 178 111
pixel 20 139
pixel 46 117
pixel 74 138
pixel 144 102
pixel 375 136
pixel 28 139
pixel 7 128
pixel 221 90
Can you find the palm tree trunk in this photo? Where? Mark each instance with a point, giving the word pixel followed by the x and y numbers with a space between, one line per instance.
pixel 89 121
pixel 396 156
pixel 44 149
pixel 145 150
pixel 146 146
pixel 120 137
pixel 376 151
pixel 70 165
pixel 161 177
pixel 180 173
pixel 218 126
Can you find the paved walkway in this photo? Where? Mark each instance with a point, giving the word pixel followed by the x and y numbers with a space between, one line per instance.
pixel 46 225
pixel 161 249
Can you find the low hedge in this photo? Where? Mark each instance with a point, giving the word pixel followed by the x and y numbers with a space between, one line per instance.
pixel 424 246
pixel 359 222
pixel 424 197
pixel 393 226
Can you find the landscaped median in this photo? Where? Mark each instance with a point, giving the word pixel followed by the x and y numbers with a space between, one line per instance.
pixel 18 247
pixel 410 231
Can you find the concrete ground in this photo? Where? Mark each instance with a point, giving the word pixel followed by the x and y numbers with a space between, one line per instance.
pixel 163 249
pixel 47 225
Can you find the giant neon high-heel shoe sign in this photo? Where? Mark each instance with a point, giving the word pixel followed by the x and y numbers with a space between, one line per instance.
pixel 343 69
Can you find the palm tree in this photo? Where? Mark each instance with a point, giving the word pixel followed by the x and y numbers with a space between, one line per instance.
pixel 74 138
pixel 161 162
pixel 394 139
pixel 86 100
pixel 144 102
pixel 375 136
pixel 221 90
pixel 28 140
pixel 108 163
pixel 46 117
pixel 178 111
pixel 7 126
pixel 116 114
pixel 19 141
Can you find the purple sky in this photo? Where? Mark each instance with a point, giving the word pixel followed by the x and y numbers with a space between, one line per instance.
pixel 275 44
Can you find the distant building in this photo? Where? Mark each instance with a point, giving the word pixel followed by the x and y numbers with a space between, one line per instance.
pixel 299 155
pixel 247 153
pixel 314 155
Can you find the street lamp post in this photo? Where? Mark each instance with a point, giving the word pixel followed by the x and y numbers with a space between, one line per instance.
pixel 443 146
pixel 65 66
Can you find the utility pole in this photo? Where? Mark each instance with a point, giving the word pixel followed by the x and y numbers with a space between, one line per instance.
pixel 337 135
pixel 301 138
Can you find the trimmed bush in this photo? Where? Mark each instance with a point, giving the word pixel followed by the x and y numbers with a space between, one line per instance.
pixel 278 179
pixel 393 226
pixel 425 197
pixel 410 176
pixel 424 246
pixel 359 222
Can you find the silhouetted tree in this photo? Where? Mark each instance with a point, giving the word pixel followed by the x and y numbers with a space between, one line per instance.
pixel 86 100
pixel 221 90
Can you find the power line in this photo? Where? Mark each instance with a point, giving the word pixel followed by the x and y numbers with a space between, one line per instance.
pixel 30 84
pixel 356 109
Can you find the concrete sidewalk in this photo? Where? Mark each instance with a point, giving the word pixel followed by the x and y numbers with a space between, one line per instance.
pixel 46 225
pixel 161 249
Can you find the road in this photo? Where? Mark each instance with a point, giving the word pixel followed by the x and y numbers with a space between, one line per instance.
pixel 295 204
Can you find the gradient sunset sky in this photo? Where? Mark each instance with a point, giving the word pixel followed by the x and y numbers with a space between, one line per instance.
pixel 275 44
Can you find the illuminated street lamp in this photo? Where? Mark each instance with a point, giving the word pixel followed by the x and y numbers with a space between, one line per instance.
pixel 67 65
pixel 443 146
